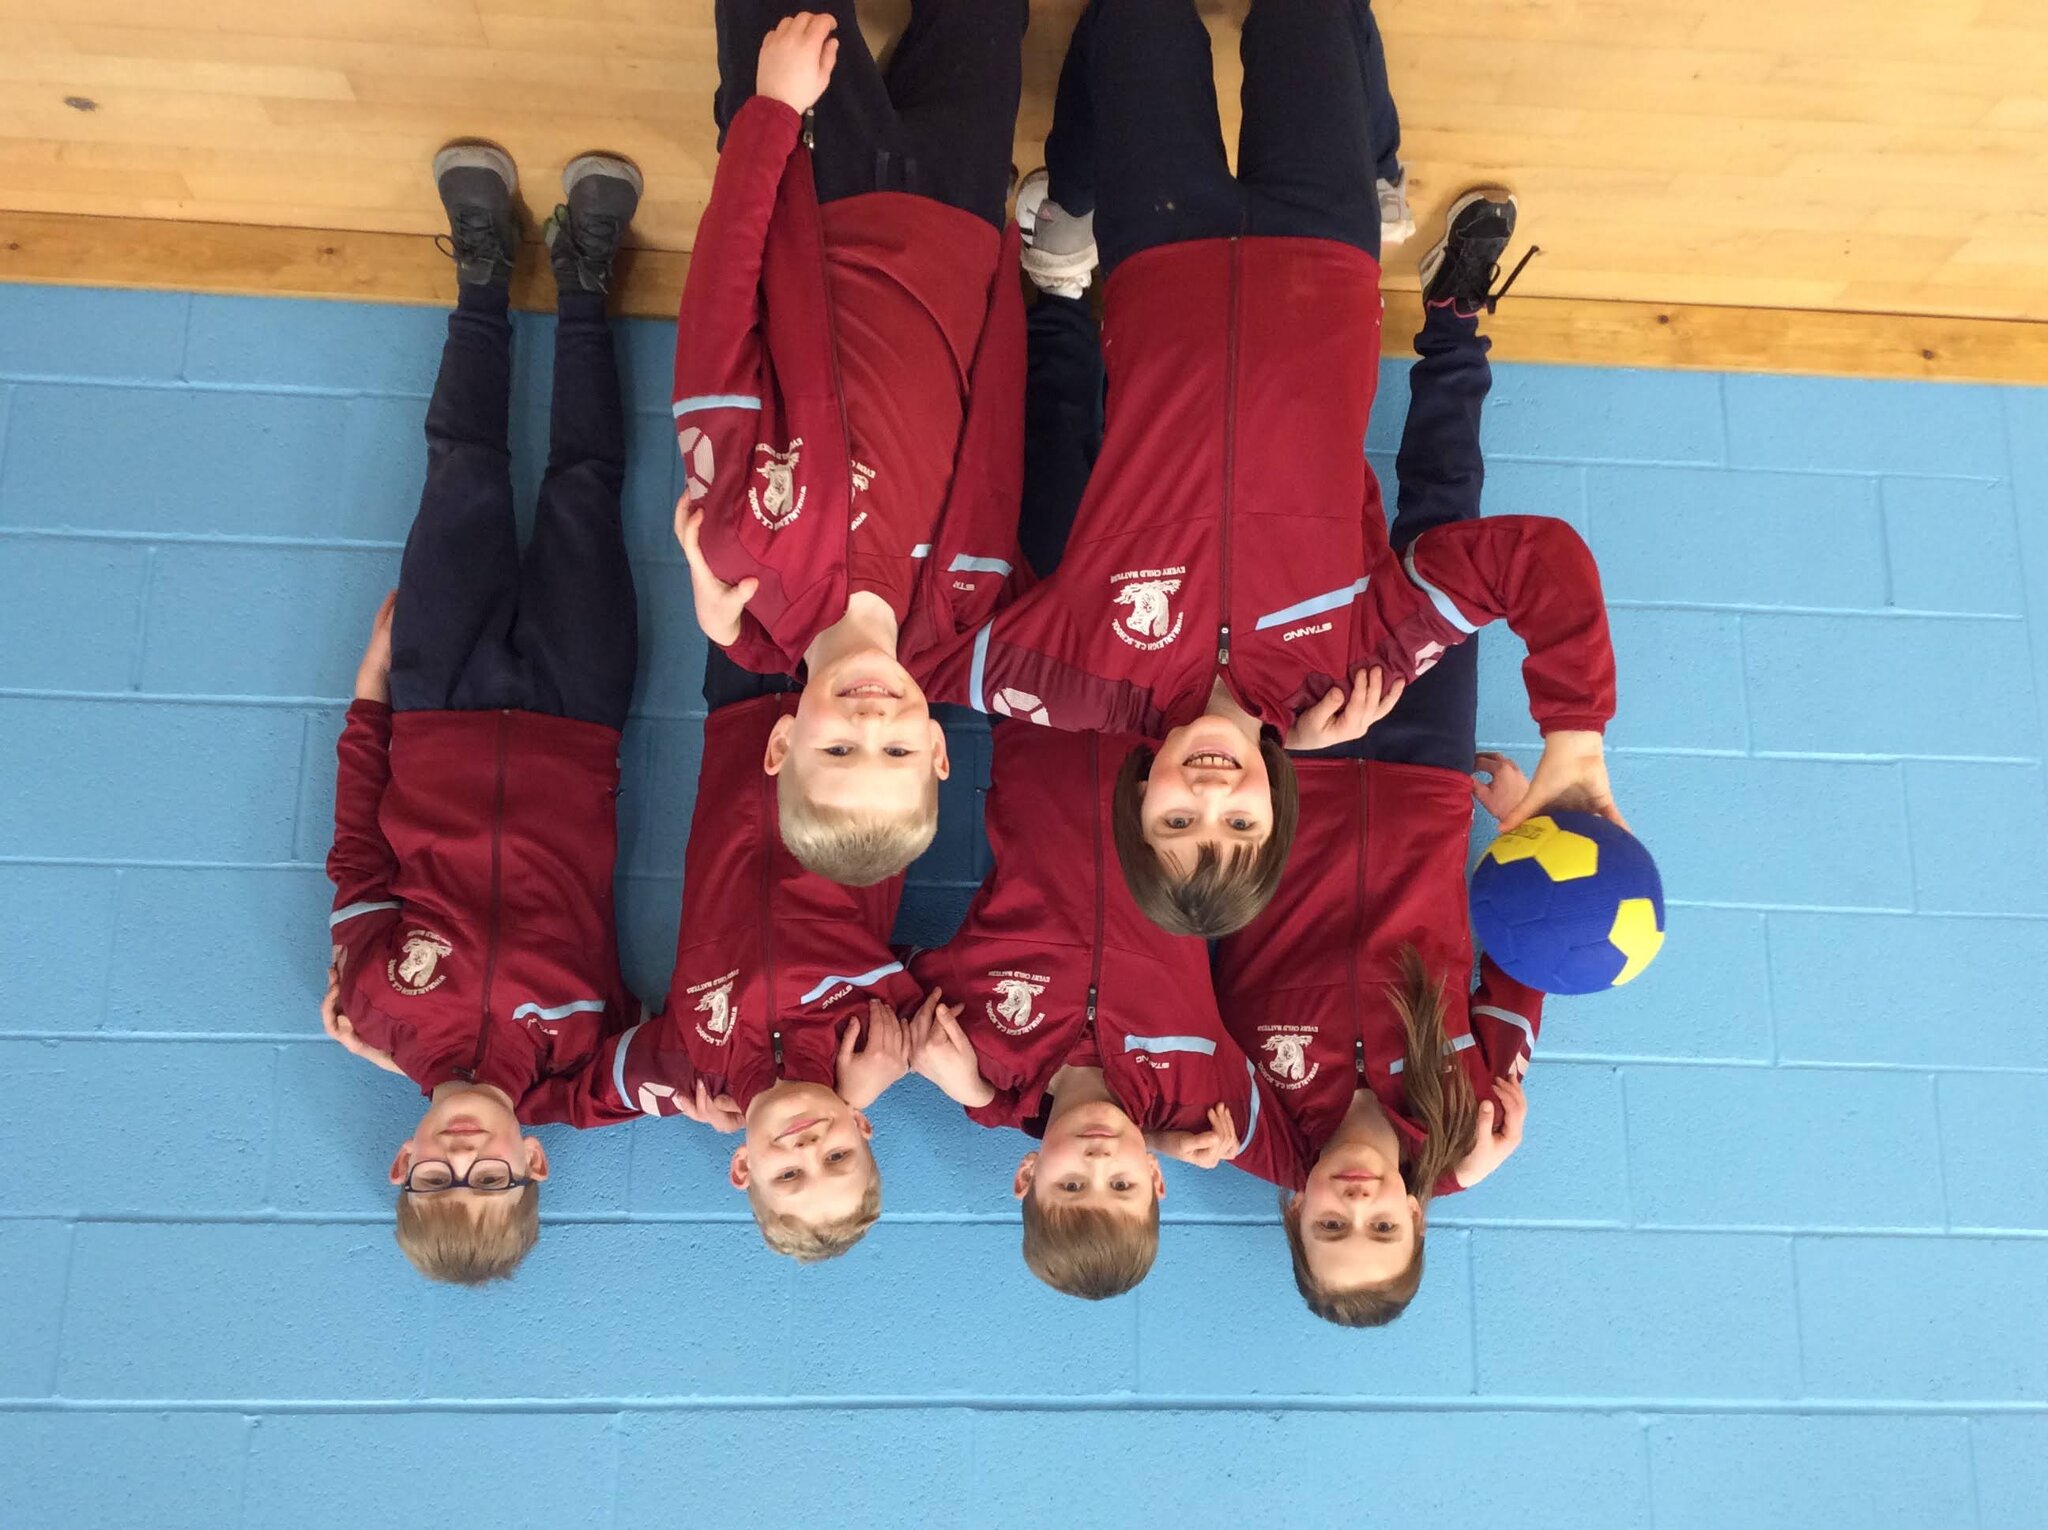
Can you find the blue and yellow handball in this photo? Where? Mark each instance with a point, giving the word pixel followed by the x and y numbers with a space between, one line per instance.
pixel 1569 903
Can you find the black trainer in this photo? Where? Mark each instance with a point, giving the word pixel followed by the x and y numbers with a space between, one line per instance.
pixel 476 182
pixel 1459 271
pixel 583 236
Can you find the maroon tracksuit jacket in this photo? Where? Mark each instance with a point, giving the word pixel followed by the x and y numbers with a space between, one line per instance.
pixel 472 868
pixel 772 961
pixel 1379 864
pixel 849 399
pixel 1053 944
pixel 1232 524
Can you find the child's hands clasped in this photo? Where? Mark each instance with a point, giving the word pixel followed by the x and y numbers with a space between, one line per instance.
pixel 1498 1135
pixel 864 1076
pixel 797 59
pixel 1341 715
pixel 720 1112
pixel 941 1052
pixel 1204 1150
pixel 1572 774
pixel 719 604
pixel 339 1026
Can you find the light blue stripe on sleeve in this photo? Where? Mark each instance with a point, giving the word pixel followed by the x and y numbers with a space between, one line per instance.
pixel 343 915
pixel 619 1068
pixel 1315 605
pixel 861 981
pixel 922 550
pixel 1445 606
pixel 1201 1044
pixel 979 673
pixel 1251 1129
pixel 1455 1044
pixel 965 563
pixel 700 402
pixel 1519 1022
pixel 560 1011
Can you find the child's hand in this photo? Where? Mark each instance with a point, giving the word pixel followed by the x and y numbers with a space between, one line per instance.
pixel 797 59
pixel 373 675
pixel 940 1051
pixel 339 1026
pixel 1204 1150
pixel 720 1112
pixel 1341 717
pixel 865 1075
pixel 1572 774
pixel 718 604
pixel 1499 1133
pixel 1507 787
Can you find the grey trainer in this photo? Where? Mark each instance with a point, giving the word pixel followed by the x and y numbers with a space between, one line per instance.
pixel 602 192
pixel 476 182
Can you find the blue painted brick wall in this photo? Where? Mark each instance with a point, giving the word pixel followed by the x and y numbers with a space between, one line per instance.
pixel 1774 1253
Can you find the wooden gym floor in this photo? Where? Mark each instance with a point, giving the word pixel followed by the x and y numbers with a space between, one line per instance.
pixel 1844 186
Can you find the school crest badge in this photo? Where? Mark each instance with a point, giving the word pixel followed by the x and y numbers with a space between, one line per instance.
pixel 1152 622
pixel 715 1004
pixel 1286 1061
pixel 777 500
pixel 1011 1011
pixel 412 972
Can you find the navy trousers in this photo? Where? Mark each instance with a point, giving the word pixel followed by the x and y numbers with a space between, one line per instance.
pixel 1136 138
pixel 936 123
pixel 479 625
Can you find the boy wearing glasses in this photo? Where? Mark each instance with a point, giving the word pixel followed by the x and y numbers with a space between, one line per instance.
pixel 475 821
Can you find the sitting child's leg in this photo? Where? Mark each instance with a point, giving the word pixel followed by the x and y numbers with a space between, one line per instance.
pixel 1151 132
pixel 578 627
pixel 1062 424
pixel 459 579
pixel 1307 150
pixel 955 78
pixel 1396 223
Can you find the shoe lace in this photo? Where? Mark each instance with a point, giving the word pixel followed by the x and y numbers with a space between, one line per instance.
pixel 1489 296
pixel 473 235
pixel 593 239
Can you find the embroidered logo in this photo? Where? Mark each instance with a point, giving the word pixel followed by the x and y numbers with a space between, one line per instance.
pixel 1286 1062
pixel 658 1100
pixel 863 476
pixel 779 501
pixel 699 468
pixel 1152 622
pixel 715 1004
pixel 1012 1013
pixel 1011 702
pixel 1426 657
pixel 412 973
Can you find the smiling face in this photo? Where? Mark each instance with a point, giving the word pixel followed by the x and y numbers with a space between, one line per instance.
pixel 1208 786
pixel 1093 1157
pixel 806 1155
pixel 1358 1223
pixel 862 739
pixel 465 1123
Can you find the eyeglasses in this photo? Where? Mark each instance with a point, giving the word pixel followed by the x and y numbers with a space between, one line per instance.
pixel 491 1176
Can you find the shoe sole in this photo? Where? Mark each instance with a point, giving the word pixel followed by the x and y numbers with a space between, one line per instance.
pixel 476 154
pixel 1433 257
pixel 583 166
pixel 1031 194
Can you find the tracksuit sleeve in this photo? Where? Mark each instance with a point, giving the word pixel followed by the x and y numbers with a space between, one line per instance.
pixel 640 1071
pixel 1271 1146
pixel 719 370
pixel 361 864
pixel 1538 575
pixel 1506 1017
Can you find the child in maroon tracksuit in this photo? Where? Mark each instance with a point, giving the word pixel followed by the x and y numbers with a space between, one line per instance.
pixel 776 970
pixel 1073 1016
pixel 1353 990
pixel 1230 583
pixel 849 395
pixel 474 822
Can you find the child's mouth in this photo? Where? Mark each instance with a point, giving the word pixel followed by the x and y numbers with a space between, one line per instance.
pixel 803 1125
pixel 866 690
pixel 1210 759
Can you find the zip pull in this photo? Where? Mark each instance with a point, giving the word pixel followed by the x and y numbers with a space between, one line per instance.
pixel 1358 1056
pixel 810 120
pixel 775 1045
pixel 1223 644
pixel 1092 991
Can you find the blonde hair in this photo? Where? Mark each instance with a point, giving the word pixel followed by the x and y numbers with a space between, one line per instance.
pixel 1088 1251
pixel 853 846
pixel 1441 1100
pixel 468 1243
pixel 1218 897
pixel 813 1242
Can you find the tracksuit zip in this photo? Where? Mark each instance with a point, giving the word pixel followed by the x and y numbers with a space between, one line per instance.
pixel 1229 451
pixel 1095 820
pixel 1358 915
pixel 483 1035
pixel 764 785
pixel 832 342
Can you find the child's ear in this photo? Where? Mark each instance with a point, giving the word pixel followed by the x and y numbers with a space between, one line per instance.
pixel 1158 1177
pixel 536 1158
pixel 401 1163
pixel 1027 1171
pixel 778 745
pixel 942 762
pixel 864 1125
pixel 737 1172
pixel 1421 1214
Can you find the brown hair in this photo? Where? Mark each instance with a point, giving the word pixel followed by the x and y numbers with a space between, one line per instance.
pixel 852 846
pixel 1440 1097
pixel 1218 897
pixel 813 1242
pixel 1087 1251
pixel 469 1243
